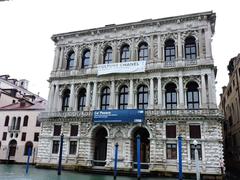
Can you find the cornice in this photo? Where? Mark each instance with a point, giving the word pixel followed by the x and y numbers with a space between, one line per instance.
pixel 209 16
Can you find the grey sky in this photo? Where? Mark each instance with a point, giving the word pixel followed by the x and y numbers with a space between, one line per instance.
pixel 26 50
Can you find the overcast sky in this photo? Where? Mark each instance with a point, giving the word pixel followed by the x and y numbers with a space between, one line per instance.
pixel 27 52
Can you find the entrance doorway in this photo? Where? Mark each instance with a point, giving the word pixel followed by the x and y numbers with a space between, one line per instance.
pixel 100 148
pixel 144 147
pixel 12 148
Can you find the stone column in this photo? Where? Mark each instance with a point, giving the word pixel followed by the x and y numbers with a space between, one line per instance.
pixel 91 63
pixel 56 59
pixel 200 45
pixel 151 95
pixel 76 57
pixel 133 54
pixel 159 93
pixel 130 96
pixel 212 90
pixel 159 48
pixel 61 59
pixel 50 98
pixel 204 92
pixel 181 93
pixel 94 96
pixel 71 101
pixel 151 49
pixel 179 45
pixel 163 99
pixel 115 53
pixel 56 99
pixel 88 96
pixel 208 43
pixel 112 95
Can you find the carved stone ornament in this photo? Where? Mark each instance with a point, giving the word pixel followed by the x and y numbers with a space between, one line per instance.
pixel 139 82
pixel 63 88
pixel 196 79
pixel 165 81
pixel 167 36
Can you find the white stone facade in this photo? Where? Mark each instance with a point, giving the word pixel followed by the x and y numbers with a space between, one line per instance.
pixel 159 73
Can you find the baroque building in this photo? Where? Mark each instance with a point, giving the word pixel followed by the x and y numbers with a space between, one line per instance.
pixel 230 104
pixel 163 68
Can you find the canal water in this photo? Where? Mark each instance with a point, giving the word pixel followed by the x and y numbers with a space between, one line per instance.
pixel 17 172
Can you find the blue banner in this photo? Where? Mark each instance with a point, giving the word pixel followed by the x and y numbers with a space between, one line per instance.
pixel 119 116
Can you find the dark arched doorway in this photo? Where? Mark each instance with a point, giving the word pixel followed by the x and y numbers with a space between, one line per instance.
pixel 12 148
pixel 145 147
pixel 100 147
pixel 27 145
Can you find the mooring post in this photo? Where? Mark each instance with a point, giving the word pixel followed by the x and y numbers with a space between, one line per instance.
pixel 138 157
pixel 180 176
pixel 115 161
pixel 60 156
pixel 28 159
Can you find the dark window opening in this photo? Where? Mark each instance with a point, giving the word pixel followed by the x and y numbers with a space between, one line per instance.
pixel 36 137
pixel 26 149
pixel 74 130
pixel 195 131
pixel 4 137
pixel 57 130
pixel 70 61
pixel 6 121
pixel 199 149
pixel 171 131
pixel 55 147
pixel 25 121
pixel 65 100
pixel 81 99
pixel 142 97
pixel 192 95
pixel 23 138
pixel 73 147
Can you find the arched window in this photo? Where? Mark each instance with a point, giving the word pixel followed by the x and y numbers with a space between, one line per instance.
pixel 192 95
pixel 142 97
pixel 169 50
pixel 70 61
pixel 28 145
pixel 171 96
pixel 143 52
pixel 18 123
pixel 125 54
pixel 190 48
pixel 85 59
pixel 6 121
pixel 108 56
pixel 123 98
pixel 25 121
pixel 105 98
pixel 81 99
pixel 65 100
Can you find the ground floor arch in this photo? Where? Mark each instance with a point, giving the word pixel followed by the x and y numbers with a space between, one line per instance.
pixel 144 146
pixel 100 146
pixel 12 148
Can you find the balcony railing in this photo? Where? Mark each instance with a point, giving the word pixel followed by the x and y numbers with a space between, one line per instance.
pixel 148 113
pixel 13 129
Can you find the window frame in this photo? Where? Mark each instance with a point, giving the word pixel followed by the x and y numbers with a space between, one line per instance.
pixel 171 151
pixel 123 95
pixel 105 98
pixel 25 121
pixel 172 92
pixel 82 99
pixel 72 132
pixel 57 132
pixel 195 131
pixel 143 49
pixel 86 58
pixel 108 55
pixel 125 54
pixel 169 129
pixel 168 47
pixel 36 137
pixel 73 147
pixel 55 146
pixel 192 151
pixel 190 44
pixel 141 96
pixel 24 136
pixel 70 60
pixel 65 100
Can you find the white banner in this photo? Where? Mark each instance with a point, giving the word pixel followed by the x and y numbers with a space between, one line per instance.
pixel 124 67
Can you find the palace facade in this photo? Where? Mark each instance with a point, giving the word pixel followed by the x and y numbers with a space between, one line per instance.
pixel 164 67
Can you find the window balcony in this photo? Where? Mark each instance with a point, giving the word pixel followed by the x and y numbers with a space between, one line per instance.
pixel 14 129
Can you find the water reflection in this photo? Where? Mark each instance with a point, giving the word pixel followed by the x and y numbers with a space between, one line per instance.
pixel 17 172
